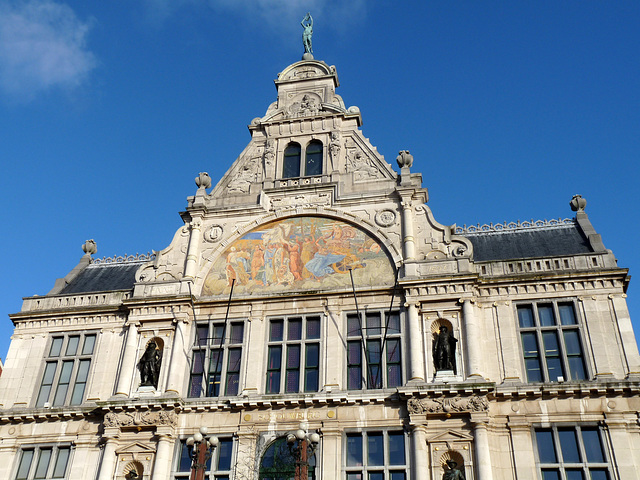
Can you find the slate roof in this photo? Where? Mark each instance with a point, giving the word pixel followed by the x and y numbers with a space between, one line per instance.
pixel 104 277
pixel 529 243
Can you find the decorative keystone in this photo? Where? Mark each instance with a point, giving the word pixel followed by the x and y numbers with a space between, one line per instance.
pixel 405 159
pixel 89 247
pixel 578 203
pixel 203 180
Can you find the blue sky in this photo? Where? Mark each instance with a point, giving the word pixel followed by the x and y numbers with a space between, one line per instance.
pixel 108 110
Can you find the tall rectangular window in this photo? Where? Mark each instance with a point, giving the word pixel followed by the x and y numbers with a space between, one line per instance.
pixel 50 462
pixel 216 359
pixel 551 344
pixel 293 354
pixel 66 369
pixel 218 466
pixel 374 350
pixel 376 455
pixel 572 453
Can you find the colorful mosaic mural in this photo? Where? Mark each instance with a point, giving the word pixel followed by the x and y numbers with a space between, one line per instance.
pixel 300 254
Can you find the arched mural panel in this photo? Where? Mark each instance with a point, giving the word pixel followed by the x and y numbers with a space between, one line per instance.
pixel 300 254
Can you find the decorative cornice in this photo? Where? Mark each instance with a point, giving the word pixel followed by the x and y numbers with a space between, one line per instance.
pixel 119 259
pixel 513 226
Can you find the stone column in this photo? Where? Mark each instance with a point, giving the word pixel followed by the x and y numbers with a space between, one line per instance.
pixel 419 453
pixel 407 226
pixel 162 462
pixel 481 443
pixel 416 372
pixel 128 361
pixel 194 248
pixel 108 464
pixel 522 444
pixel 179 358
pixel 472 339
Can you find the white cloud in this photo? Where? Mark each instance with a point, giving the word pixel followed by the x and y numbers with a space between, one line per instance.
pixel 42 45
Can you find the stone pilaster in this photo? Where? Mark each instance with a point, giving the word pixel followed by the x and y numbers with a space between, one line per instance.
pixel 472 341
pixel 481 443
pixel 179 357
pixel 193 249
pixel 419 453
pixel 128 361
pixel 415 344
pixel 108 464
pixel 164 450
pixel 523 455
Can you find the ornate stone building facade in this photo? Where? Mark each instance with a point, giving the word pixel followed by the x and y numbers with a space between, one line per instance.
pixel 312 287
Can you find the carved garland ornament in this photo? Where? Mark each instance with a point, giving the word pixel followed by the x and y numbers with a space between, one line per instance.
pixel 125 419
pixel 473 403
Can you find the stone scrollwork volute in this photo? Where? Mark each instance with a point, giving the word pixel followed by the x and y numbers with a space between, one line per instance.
pixel 125 419
pixel 474 403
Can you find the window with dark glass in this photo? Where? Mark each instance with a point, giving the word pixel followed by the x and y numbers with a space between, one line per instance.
pixel 295 164
pixel 313 159
pixel 291 164
pixel 293 354
pixel 218 466
pixel 374 351
pixel 376 455
pixel 216 359
pixel 551 344
pixel 572 453
pixel 50 462
pixel 66 369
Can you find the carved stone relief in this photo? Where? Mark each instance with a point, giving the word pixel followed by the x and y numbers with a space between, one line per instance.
pixel 474 403
pixel 308 105
pixel 247 174
pixel 214 233
pixel 334 150
pixel 362 166
pixel 126 419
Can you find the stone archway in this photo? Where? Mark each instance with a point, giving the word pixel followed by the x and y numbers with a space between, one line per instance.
pixel 278 463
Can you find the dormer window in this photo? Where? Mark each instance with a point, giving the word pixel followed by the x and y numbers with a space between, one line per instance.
pixel 295 165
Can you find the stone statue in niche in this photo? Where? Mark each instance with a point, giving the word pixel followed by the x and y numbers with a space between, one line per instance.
pixel 444 350
pixel 149 366
pixel 454 473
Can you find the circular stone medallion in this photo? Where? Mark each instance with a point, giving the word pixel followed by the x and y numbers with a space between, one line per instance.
pixel 385 218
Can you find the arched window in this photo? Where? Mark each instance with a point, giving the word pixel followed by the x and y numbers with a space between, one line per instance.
pixel 313 159
pixel 279 463
pixel 291 167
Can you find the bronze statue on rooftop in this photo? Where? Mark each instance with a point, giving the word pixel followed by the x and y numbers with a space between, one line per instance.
pixel 307 24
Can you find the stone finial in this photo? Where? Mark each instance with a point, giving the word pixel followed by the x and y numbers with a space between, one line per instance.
pixel 203 180
pixel 89 247
pixel 404 159
pixel 578 203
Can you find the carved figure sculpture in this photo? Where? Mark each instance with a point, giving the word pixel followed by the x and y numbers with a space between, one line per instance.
pixel 454 473
pixel 149 366
pixel 444 351
pixel 307 32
